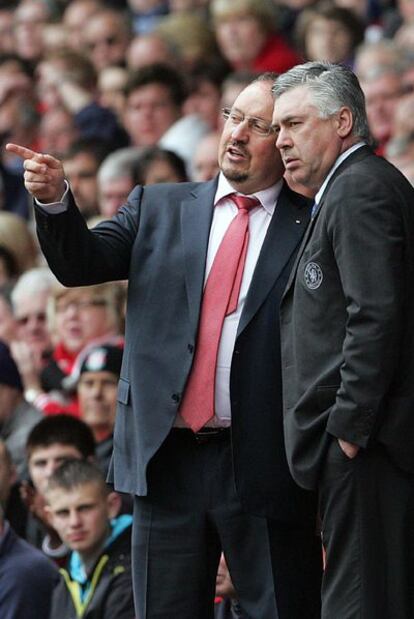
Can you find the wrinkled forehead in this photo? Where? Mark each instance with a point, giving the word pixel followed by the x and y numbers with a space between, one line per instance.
pixel 295 101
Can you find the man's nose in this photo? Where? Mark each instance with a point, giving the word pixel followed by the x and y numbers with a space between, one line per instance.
pixel 282 139
pixel 241 131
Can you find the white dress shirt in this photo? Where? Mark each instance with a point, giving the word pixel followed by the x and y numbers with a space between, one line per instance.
pixel 259 219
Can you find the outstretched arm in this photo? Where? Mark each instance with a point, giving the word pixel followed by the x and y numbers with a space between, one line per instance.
pixel 44 177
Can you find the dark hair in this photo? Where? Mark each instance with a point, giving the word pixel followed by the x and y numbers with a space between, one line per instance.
pixel 213 71
pixel 63 429
pixel 153 154
pixel 159 73
pixel 96 147
pixel 74 473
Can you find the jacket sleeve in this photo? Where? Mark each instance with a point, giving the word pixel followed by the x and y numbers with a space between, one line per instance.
pixel 79 256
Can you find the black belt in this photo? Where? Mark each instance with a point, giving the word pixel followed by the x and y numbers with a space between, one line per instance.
pixel 205 435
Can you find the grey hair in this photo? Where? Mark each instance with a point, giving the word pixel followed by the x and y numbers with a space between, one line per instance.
pixel 119 164
pixel 32 282
pixel 332 86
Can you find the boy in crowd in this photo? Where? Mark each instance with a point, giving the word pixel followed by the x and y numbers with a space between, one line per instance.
pixel 97 579
pixel 50 443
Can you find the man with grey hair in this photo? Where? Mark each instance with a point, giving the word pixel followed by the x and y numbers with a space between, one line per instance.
pixel 116 179
pixel 347 322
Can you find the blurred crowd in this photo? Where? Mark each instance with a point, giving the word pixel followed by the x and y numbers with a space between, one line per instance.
pixel 128 92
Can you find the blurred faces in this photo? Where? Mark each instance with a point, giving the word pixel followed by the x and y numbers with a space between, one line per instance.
pixel 309 144
pixel 81 172
pixel 327 39
pixel 32 327
pixel 75 17
pixel 80 318
pixel 205 162
pixel 81 517
pixel 97 393
pixel 161 171
pixel 249 160
pixel 113 194
pixel 29 19
pixel 105 40
pixel 43 461
pixel 149 112
pixel 111 84
pixel 406 9
pixel 240 38
pixel 57 131
pixel 381 97
pixel 6 31
pixel 205 102
pixel 147 49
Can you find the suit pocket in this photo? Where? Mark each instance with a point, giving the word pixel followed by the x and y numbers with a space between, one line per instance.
pixel 124 389
pixel 326 395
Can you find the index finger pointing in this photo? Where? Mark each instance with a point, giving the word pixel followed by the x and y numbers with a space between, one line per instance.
pixel 27 153
pixel 21 151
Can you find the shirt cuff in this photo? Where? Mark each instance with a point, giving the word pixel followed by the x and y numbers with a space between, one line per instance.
pixel 54 208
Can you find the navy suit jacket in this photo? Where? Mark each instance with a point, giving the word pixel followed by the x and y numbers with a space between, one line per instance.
pixel 158 241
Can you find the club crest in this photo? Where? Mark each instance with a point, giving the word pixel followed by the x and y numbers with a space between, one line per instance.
pixel 313 275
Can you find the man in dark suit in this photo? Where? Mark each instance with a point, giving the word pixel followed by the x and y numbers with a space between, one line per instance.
pixel 347 321
pixel 225 486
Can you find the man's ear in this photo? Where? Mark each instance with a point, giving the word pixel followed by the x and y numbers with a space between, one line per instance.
pixel 345 122
pixel 114 503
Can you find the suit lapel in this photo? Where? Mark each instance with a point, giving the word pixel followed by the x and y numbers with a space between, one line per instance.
pixel 196 215
pixel 282 238
pixel 359 154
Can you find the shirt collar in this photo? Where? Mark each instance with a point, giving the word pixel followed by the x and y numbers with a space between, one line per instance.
pixel 267 196
pixel 336 165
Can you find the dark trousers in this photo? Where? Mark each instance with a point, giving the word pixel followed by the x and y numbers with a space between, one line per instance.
pixel 191 514
pixel 367 509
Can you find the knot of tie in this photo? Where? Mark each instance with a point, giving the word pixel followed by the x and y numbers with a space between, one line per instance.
pixel 244 203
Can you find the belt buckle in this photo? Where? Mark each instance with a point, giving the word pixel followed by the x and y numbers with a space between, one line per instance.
pixel 205 437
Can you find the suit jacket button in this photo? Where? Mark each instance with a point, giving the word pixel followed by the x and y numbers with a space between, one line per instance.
pixel 190 348
pixel 175 397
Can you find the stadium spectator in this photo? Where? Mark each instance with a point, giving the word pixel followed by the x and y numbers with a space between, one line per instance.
pixel 97 579
pixel 116 179
pixel 247 38
pixel 158 165
pixel 105 38
pixel 205 161
pixel 97 395
pixel 154 98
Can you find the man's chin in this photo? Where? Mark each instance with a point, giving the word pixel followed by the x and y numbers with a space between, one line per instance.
pixel 235 176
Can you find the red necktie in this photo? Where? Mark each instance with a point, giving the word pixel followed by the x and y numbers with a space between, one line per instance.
pixel 220 298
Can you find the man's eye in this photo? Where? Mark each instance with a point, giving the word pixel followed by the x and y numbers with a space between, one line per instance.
pixel 259 126
pixel 236 118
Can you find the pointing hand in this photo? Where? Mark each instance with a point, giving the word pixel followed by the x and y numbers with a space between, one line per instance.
pixel 44 177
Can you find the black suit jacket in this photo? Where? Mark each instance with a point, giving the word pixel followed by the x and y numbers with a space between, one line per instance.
pixel 347 320
pixel 159 242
